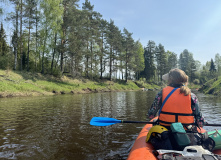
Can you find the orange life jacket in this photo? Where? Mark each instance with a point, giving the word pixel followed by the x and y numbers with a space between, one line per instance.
pixel 176 109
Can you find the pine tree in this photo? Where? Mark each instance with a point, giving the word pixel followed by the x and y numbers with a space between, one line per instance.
pixel 129 46
pixel 149 70
pixel 184 61
pixel 172 60
pixel 29 15
pixel 161 59
pixel 15 37
pixel 3 43
pixel 212 67
pixel 102 42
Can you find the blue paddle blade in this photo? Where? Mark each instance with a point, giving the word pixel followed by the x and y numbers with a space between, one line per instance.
pixel 103 121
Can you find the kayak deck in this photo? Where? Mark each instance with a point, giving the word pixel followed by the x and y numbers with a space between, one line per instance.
pixel 143 151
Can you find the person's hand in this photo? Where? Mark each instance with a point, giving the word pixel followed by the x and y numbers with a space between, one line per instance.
pixel 200 124
pixel 151 116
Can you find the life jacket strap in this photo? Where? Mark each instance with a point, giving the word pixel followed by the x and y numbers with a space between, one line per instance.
pixel 177 114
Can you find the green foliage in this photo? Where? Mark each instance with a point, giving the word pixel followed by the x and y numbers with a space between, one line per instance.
pixel 3 44
pixel 139 59
pixel 161 59
pixel 188 64
pixel 149 70
pixel 59 38
pixel 212 86
pixel 196 81
pixel 143 84
pixel 172 60
pixel 212 67
pixel 57 73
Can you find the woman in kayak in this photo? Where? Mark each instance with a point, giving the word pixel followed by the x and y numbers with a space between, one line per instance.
pixel 176 103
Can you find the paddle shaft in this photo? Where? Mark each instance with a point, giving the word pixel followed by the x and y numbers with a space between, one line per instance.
pixel 218 125
pixel 146 122
pixel 105 121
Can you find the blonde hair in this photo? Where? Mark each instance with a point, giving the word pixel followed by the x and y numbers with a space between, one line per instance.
pixel 178 76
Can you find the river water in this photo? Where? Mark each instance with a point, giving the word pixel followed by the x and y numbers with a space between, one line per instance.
pixel 57 127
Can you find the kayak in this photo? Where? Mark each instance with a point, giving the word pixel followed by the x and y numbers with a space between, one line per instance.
pixel 144 151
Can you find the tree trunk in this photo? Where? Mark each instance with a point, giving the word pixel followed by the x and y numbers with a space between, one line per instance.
pixel 28 46
pixel 110 63
pixel 52 61
pixel 101 57
pixel 36 39
pixel 43 53
pixel 126 65
pixel 21 52
pixel 91 60
pixel 16 42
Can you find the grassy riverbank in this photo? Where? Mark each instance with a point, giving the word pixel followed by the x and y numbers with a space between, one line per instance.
pixel 213 87
pixel 14 84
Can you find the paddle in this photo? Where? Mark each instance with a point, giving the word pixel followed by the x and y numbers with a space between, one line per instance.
pixel 105 121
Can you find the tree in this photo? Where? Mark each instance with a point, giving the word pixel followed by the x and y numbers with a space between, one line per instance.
pixel 21 24
pixel 29 14
pixel 102 53
pixel 192 68
pixel 128 44
pixel 51 22
pixel 139 59
pixel 161 59
pixel 188 64
pixel 75 37
pixel 68 19
pixel 94 29
pixel 3 49
pixel 3 43
pixel 172 60
pixel 218 63
pixel 149 51
pixel 113 37
pixel 205 74
pixel 15 38
pixel 212 67
pixel 184 61
pixel 88 16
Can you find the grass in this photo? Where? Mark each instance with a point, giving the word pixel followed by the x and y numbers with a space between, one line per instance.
pixel 142 84
pixel 14 83
pixel 213 86
pixel 194 86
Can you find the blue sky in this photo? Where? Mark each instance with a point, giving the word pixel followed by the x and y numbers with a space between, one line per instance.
pixel 176 24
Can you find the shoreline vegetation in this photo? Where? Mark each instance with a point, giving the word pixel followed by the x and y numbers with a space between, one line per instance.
pixel 21 84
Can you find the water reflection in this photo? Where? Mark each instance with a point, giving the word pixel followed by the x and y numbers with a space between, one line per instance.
pixel 57 127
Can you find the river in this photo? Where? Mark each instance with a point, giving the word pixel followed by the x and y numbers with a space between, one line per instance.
pixel 57 127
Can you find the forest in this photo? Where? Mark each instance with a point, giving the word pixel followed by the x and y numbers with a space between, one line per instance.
pixel 57 37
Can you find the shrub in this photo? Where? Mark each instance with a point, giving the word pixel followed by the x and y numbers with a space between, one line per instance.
pixel 196 81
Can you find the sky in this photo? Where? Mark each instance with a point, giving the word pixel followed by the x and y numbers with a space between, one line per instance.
pixel 194 25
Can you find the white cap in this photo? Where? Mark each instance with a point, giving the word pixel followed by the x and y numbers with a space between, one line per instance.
pixel 165 77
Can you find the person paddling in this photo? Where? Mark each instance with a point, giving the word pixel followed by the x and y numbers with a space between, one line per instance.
pixel 180 106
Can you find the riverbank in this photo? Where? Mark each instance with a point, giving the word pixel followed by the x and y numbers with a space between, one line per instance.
pixel 213 87
pixel 17 84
